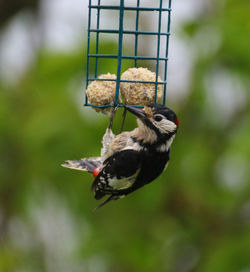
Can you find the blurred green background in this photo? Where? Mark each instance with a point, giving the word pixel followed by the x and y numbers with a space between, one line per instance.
pixel 195 217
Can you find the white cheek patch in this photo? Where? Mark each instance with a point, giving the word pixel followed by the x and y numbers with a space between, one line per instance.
pixel 165 126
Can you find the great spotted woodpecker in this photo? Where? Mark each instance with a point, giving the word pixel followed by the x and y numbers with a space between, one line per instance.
pixel 132 159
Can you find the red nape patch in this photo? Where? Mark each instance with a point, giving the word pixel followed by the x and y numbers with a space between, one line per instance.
pixel 177 122
pixel 95 172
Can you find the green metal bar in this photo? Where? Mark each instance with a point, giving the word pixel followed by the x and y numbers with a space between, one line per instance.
pixel 88 47
pixel 128 8
pixel 97 38
pixel 118 76
pixel 124 57
pixel 166 61
pixel 136 35
pixel 123 80
pixel 115 31
pixel 158 51
pixel 110 105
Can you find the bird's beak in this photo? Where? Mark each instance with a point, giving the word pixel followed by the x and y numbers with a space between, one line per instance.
pixel 137 112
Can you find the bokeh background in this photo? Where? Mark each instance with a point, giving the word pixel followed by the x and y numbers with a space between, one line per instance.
pixel 195 217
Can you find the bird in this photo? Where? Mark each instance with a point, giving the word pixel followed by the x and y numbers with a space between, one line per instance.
pixel 134 158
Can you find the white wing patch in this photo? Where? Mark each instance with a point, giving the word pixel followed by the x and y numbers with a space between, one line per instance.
pixel 123 183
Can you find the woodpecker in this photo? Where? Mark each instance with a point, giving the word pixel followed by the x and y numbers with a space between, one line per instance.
pixel 131 159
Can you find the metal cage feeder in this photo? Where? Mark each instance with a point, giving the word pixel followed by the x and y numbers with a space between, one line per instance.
pixel 164 13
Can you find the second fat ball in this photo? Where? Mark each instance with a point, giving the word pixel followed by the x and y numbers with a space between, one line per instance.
pixel 140 93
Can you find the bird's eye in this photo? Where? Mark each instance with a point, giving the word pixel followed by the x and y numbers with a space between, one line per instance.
pixel 158 118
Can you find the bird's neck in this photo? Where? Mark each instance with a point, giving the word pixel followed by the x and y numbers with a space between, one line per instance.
pixel 144 134
pixel 165 145
pixel 148 138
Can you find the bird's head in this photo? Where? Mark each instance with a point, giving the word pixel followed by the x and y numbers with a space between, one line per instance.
pixel 160 119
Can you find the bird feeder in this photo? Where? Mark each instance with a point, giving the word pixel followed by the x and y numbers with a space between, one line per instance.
pixel 96 10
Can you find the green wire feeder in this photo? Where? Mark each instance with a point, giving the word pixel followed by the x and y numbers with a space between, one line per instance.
pixel 163 14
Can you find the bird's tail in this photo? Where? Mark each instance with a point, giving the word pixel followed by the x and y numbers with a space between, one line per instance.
pixel 112 197
pixel 85 164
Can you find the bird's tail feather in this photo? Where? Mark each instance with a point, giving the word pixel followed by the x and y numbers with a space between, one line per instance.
pixel 112 197
pixel 85 164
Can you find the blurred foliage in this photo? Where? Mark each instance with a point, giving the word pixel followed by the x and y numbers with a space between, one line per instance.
pixel 9 9
pixel 195 217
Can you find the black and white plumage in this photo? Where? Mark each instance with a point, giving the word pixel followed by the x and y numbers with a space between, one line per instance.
pixel 132 159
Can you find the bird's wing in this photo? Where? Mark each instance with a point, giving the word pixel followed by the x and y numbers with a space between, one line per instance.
pixel 85 164
pixel 119 173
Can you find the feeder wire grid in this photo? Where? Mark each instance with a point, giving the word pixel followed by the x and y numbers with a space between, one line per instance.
pixel 119 56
